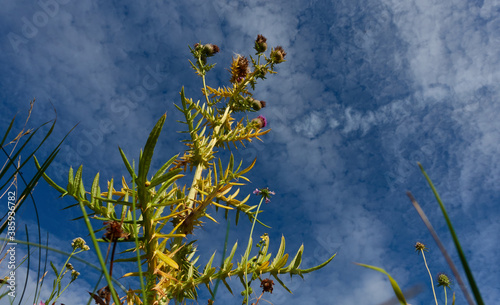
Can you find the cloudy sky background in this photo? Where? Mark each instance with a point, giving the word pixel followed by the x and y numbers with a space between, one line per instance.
pixel 369 88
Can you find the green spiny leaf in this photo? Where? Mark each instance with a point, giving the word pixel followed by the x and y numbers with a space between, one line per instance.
pixel 77 183
pixel 48 180
pixel 304 271
pixel 281 283
pixel 95 190
pixel 70 187
pixel 230 257
pixel 164 167
pixel 127 164
pixel 279 255
pixel 145 160
pixel 158 180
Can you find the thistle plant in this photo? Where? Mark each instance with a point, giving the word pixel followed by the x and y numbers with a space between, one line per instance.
pixel 156 214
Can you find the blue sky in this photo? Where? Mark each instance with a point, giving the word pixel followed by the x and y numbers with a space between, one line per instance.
pixel 369 88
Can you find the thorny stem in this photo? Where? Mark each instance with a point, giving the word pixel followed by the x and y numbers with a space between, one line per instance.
pixel 205 89
pixel 430 275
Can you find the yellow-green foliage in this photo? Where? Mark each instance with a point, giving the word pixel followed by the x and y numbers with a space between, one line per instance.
pixel 157 212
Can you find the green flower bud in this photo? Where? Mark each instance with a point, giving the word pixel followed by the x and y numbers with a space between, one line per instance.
pixel 260 44
pixel 278 55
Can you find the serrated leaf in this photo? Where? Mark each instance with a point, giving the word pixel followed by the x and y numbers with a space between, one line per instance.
pixel 147 155
pixel 94 191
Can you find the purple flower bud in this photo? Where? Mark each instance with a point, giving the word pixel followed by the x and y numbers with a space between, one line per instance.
pixel 259 122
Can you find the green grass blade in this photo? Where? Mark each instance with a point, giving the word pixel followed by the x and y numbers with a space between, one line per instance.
pixel 463 260
pixel 394 284
pixel 7 131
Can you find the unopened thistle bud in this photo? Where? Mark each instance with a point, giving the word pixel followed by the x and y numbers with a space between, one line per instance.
pixel 443 280
pixel 260 44
pixel 239 69
pixel 256 104
pixel 210 49
pixel 259 122
pixel 278 55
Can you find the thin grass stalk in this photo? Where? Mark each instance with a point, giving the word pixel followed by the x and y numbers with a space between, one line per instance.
pixel 463 260
pixel 430 275
pixel 441 247
pixel 28 267
pixel 134 219
pixel 38 289
pixel 445 297
pixel 248 245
